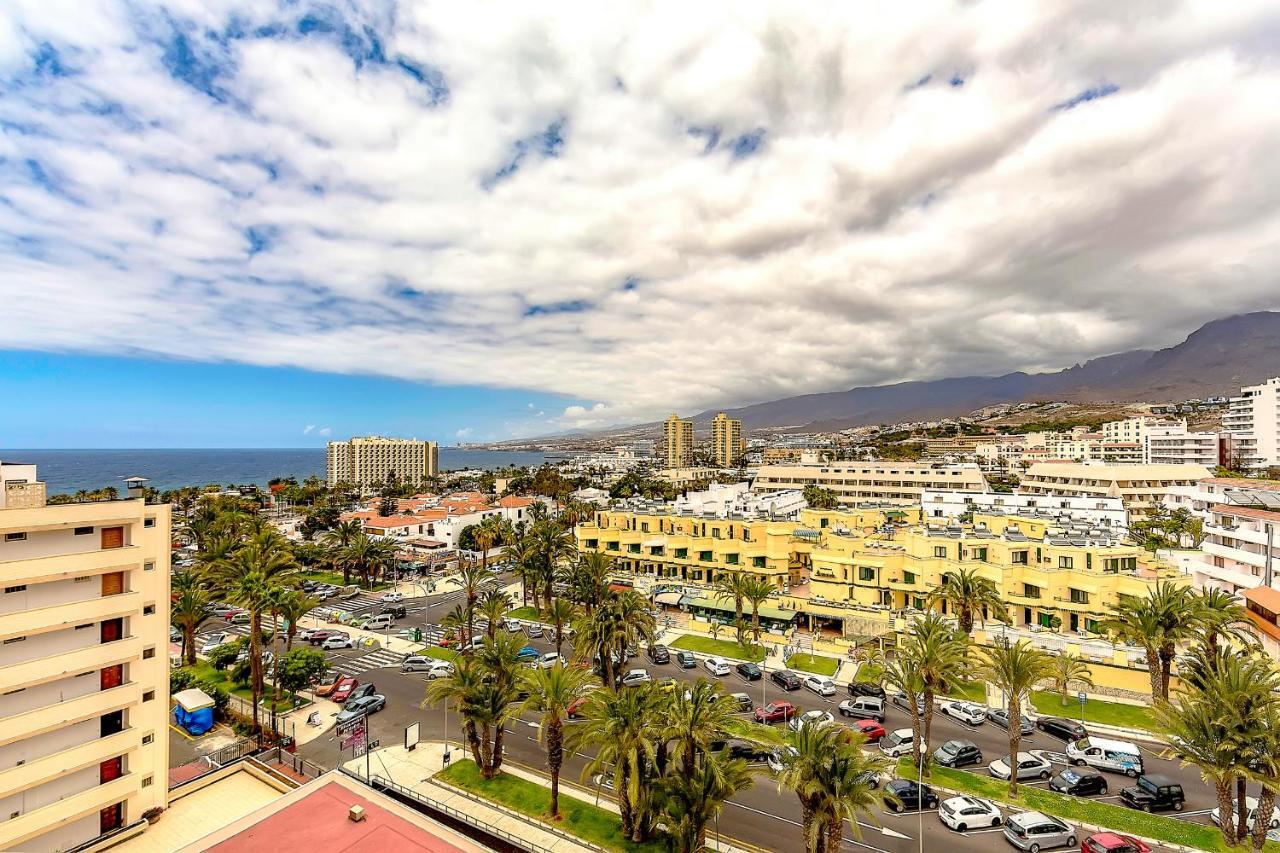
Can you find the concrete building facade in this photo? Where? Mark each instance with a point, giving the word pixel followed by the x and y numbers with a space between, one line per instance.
pixel 677 437
pixel 1253 419
pixel 1142 487
pixel 947 506
pixel 727 443
pixel 371 459
pixel 84 664
pixel 855 483
pixel 1241 518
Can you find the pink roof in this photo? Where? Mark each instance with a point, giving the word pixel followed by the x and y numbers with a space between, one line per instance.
pixel 392 520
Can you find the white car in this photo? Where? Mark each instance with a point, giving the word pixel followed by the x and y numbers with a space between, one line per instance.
pixel 550 659
pixel 337 641
pixel 776 757
pixel 811 718
pixel 391 597
pixel 440 669
pixel 212 643
pixel 1029 767
pixel 716 666
pixel 635 677
pixel 966 712
pixel 820 684
pixel 961 813
pixel 1252 804
pixel 898 742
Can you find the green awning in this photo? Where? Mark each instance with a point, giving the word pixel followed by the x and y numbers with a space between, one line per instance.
pixel 726 605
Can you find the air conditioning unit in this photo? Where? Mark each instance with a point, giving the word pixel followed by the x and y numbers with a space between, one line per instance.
pixel 355 814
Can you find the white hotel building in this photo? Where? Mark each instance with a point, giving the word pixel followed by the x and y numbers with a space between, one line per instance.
pixel 1241 548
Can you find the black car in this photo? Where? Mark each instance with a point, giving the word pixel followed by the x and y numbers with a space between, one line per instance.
pixel 659 654
pixel 686 660
pixel 748 751
pixel 910 795
pixel 786 679
pixel 957 753
pixel 1153 794
pixel 1062 728
pixel 1079 782
pixel 749 671
pixel 866 688
pixel 395 610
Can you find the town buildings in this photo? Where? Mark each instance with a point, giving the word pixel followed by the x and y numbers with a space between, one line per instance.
pixel 721 500
pixel 677 437
pixel 1253 419
pixel 727 445
pixel 1241 530
pixel 862 482
pixel 1142 487
pixel 84 664
pixel 951 506
pixel 436 523
pixel 372 459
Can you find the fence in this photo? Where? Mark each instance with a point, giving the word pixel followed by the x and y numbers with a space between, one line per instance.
pixel 232 752
pixel 296 763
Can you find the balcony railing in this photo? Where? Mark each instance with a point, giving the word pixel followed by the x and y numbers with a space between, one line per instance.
pixel 61 616
pixel 65 712
pixel 15 831
pixel 87 754
pixel 53 667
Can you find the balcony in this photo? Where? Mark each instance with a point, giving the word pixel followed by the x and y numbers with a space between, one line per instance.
pixel 1026 600
pixel 62 516
pixel 52 668
pixel 69 760
pixel 63 566
pixel 28 622
pixel 17 830
pixel 64 713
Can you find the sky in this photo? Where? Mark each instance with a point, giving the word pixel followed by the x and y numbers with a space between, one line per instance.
pixel 473 221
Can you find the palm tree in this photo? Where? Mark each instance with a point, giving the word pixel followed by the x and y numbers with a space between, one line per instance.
pixel 622 726
pixel 337 541
pixel 1069 668
pixel 472 577
pixel 733 586
pixel 190 610
pixel 1016 670
pixel 1167 616
pixel 756 589
pixel 1221 616
pixel 623 621
pixel 520 553
pixel 493 607
pixel 552 546
pixel 702 715
pixel 461 690
pixel 292 608
pixel 968 593
pixel 487 534
pixel 690 801
pixel 938 654
pixel 455 623
pixel 562 612
pixel 368 556
pixel 587 579
pixel 831 776
pixel 550 693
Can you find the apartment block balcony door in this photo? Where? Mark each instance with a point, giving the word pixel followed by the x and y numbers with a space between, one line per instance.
pixel 112 676
pixel 111 818
pixel 112 583
pixel 112 630
pixel 112 537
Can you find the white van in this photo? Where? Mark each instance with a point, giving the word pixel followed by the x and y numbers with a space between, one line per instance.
pixel 380 622
pixel 1100 753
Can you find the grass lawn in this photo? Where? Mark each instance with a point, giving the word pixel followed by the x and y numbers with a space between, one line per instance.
pixel 579 818
pixel 722 648
pixel 1095 711
pixel 816 664
pixel 523 613
pixel 974 691
pixel 437 652
pixel 1121 819
pixel 204 672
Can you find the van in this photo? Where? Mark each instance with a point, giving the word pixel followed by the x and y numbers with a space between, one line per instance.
pixel 380 622
pixel 864 708
pixel 241 618
pixel 1100 753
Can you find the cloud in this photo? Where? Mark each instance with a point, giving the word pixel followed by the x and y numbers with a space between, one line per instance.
pixel 325 431
pixel 656 207
pixel 308 428
pixel 465 432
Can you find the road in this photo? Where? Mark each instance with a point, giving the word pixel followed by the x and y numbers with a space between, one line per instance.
pixel 763 816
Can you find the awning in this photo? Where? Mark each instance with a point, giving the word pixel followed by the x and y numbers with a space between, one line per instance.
pixel 672 598
pixel 727 607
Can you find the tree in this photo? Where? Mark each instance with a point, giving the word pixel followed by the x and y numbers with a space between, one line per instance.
pixel 622 726
pixel 1016 670
pixel 221 657
pixel 819 498
pixel 292 608
pixel 337 541
pixel 550 693
pixel 690 801
pixel 300 667
pixel 936 651
pixel 481 689
pixel 968 593
pixel 1069 669
pixel 622 621
pixel 493 607
pixel 562 613
pixel 472 577
pixel 702 715
pixel 756 590
pixel 190 610
pixel 1166 616
pixel 488 533
pixel 368 556
pixel 552 545
pixel 732 586
pixel 587 579
pixel 1219 616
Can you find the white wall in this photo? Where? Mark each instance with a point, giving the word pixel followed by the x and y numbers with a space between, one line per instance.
pixel 52 643
pixel 34 748
pixel 38 595
pixel 50 693
pixel 52 543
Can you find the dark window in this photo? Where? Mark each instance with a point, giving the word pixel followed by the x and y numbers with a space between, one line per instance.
pixel 84 531
pixel 22 587
pixel 148 696
pixel 148 609
pixel 14 537
pixel 148 653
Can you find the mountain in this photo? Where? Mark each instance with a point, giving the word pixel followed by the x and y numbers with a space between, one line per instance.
pixel 1217 358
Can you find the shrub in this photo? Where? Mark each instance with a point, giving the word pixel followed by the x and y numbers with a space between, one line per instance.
pixel 224 655
pixel 180 679
pixel 221 698
pixel 242 672
pixel 299 667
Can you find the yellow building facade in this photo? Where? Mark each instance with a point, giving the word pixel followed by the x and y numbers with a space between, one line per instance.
pixel 677 436
pixel 727 443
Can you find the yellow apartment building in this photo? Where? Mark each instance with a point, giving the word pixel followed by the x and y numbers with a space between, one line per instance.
pixel 84 666
pixel 860 482
pixel 1142 488
pixel 677 436
pixel 726 440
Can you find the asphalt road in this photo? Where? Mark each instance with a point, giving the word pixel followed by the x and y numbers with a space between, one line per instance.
pixel 763 817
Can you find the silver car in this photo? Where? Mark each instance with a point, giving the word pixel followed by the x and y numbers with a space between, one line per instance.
pixel 1000 717
pixel 1028 766
pixel 1034 831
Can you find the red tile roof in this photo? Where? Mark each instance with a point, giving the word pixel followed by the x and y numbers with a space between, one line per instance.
pixel 514 501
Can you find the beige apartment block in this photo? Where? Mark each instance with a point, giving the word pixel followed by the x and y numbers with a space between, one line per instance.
pixel 677 435
pixel 872 482
pixel 371 459
pixel 726 440
pixel 84 665
pixel 1142 488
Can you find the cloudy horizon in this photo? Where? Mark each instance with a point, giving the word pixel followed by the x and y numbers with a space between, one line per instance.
pixel 630 210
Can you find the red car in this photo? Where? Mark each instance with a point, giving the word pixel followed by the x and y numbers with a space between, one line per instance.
pixel 1113 842
pixel 869 729
pixel 342 692
pixel 775 711
pixel 575 707
pixel 318 637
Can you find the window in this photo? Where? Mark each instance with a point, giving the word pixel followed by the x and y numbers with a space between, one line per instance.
pixel 866 573
pixel 15 537
pixel 633 548
pixel 590 543
pixel 149 696
pixel 657 550
pixel 1018 558
pixel 1030 591
pixel 731 559
pixel 148 653
pixel 1079 596
pixel 148 609
pixel 149 566
pixel 14 640
pixel 908 577
pixel 939 550
pixel 84 626
pixel 682 553
pixel 146 739
pixel 146 781
pixel 704 556
pixel 980 554
pixel 822 522
pixel 22 587
pixel 84 579
pixel 644 527
pixel 757 562
pixel 611 546
pixel 84 531
pixel 1065 562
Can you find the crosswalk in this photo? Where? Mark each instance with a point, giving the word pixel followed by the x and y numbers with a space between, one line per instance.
pixel 345 605
pixel 380 659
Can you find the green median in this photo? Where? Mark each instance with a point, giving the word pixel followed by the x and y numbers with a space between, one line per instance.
pixel 719 648
pixel 1095 711
pixel 816 664
pixel 1078 809
pixel 586 821
pixel 437 652
pixel 525 613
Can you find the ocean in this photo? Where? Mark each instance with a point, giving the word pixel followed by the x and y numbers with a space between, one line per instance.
pixel 72 470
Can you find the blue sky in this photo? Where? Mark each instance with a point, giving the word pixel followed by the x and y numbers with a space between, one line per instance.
pixel 609 213
pixel 91 401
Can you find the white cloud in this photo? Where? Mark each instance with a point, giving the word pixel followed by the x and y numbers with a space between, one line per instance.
pixel 465 432
pixel 326 431
pixel 554 202
pixel 308 428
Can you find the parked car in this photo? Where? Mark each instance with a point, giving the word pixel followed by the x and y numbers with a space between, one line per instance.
pixel 1154 793
pixel 318 637
pixel 775 711
pixel 749 671
pixel 1079 783
pixel 743 700
pixel 957 753
pixel 904 795
pixel 1251 803
pixel 635 677
pixel 533 630
pixel 870 729
pixel 307 633
pixel 1101 753
pixel 394 610
pixel 361 707
pixel 528 654
pixel 380 622
pixel 240 617
pixel 391 597
pixel 331 681
pixel 1035 831
pixel 659 655
pixel 1028 766
pixel 966 712
pixel 349 592
pixel 1061 728
pixel 716 666
pixel 898 742
pixel 904 702
pixel 778 758
pixel 961 813
pixel 864 708
pixel 811 718
pixel 1000 716
pixel 785 678
pixel 820 684
pixel 212 642
pixel 686 660
pixel 338 641
pixel 222 611
pixel 344 689
pixel 1113 842
pixel 574 709
pixel 666 685
pixel 366 689
pixel 749 752
pixel 866 688
pixel 550 659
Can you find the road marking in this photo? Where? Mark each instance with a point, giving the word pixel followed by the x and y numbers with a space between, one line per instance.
pixel 983 831
pixel 884 829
